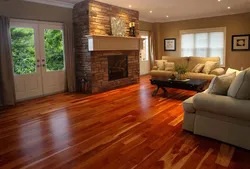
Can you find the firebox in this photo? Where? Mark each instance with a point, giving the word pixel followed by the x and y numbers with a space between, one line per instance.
pixel 117 67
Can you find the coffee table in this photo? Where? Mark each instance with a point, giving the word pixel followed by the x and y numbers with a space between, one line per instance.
pixel 192 84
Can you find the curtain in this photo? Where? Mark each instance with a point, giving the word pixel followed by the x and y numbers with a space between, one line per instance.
pixel 151 49
pixel 7 86
pixel 69 58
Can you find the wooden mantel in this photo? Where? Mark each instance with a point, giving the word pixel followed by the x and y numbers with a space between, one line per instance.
pixel 105 43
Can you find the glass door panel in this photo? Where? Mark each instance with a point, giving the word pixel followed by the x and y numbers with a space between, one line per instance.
pixel 54 49
pixel 23 50
pixel 26 59
pixel 53 62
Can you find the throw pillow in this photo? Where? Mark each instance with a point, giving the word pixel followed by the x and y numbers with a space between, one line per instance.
pixel 198 68
pixel 169 66
pixel 239 88
pixel 220 84
pixel 229 70
pixel 209 66
pixel 160 64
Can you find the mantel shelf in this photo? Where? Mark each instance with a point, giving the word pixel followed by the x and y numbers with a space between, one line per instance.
pixel 105 43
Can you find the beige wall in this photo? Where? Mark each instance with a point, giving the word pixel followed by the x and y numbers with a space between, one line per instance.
pixel 235 24
pixel 145 26
pixel 34 11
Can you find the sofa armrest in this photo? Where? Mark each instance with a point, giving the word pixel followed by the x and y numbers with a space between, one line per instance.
pixel 223 105
pixel 218 71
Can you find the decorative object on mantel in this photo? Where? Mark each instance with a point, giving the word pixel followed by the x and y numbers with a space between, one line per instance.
pixel 181 71
pixel 118 27
pixel 132 29
pixel 170 44
pixel 241 42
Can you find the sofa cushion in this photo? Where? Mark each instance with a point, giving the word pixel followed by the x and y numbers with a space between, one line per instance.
pixel 218 71
pixel 193 61
pixel 222 105
pixel 239 88
pixel 202 76
pixel 188 105
pixel 198 68
pixel 169 66
pixel 209 66
pixel 160 64
pixel 176 60
pixel 229 70
pixel 221 84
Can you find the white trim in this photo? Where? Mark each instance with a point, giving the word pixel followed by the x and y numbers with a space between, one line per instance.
pixel 197 17
pixel 53 3
pixel 217 29
pixel 207 30
pixel 35 22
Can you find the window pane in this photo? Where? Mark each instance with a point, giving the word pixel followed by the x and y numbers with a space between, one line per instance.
pixel 216 45
pixel 23 50
pixel 54 49
pixel 201 44
pixel 187 45
pixel 144 51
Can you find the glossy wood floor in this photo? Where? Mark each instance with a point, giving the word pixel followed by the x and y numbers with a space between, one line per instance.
pixel 120 129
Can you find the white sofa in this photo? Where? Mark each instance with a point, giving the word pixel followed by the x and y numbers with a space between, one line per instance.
pixel 220 117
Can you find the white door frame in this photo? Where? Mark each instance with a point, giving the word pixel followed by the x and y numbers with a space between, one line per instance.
pixel 39 53
pixel 53 81
pixel 145 64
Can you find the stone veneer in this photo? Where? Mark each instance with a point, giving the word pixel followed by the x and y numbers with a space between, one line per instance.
pixel 93 18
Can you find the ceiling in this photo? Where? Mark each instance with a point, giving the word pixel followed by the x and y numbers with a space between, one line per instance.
pixel 174 9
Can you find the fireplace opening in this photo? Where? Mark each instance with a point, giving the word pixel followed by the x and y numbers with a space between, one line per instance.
pixel 117 67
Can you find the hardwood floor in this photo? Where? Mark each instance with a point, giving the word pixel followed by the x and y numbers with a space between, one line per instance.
pixel 120 129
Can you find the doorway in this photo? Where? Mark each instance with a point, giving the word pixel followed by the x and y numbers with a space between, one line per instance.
pixel 144 54
pixel 38 58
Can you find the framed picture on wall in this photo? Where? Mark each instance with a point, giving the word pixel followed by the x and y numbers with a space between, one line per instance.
pixel 241 42
pixel 170 44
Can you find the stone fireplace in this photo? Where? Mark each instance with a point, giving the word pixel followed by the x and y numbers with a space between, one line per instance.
pixel 106 62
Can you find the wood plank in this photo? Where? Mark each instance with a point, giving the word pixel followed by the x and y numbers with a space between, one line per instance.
pixel 123 128
pixel 225 155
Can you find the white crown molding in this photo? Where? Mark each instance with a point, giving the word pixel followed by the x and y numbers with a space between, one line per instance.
pixel 199 17
pixel 145 19
pixel 53 3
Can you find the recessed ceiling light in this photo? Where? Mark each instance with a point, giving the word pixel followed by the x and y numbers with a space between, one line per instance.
pixel 151 11
pixel 228 7
pixel 219 0
pixel 130 6
pixel 167 16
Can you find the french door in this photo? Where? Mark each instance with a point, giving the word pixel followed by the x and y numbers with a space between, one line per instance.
pixel 144 54
pixel 38 58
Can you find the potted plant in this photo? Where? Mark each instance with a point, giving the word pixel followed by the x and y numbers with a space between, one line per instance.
pixel 181 70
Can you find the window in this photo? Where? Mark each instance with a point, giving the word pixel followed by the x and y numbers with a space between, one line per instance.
pixel 145 51
pixel 204 43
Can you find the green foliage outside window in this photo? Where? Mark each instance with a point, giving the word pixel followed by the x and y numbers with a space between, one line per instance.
pixel 54 49
pixel 23 50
